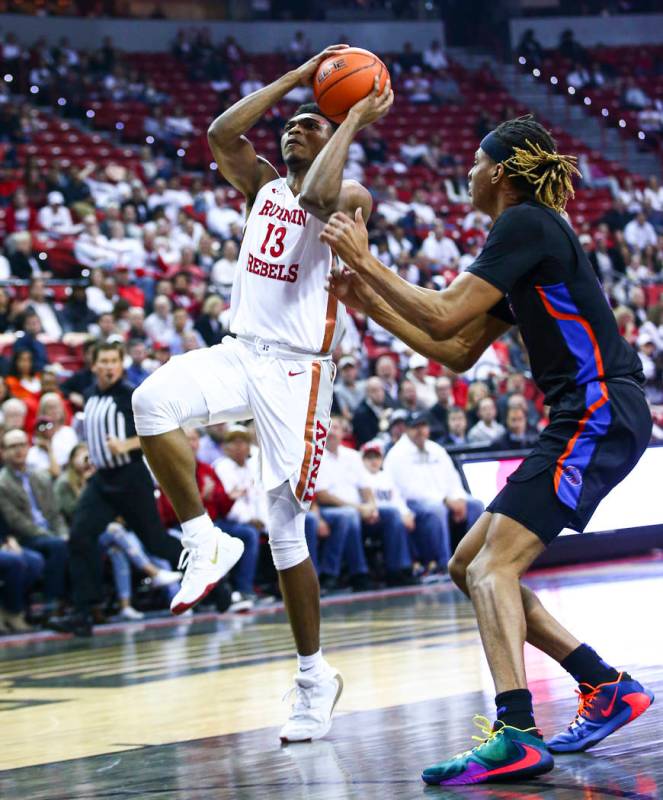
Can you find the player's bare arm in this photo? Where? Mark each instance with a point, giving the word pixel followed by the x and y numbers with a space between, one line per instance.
pixel 323 190
pixel 438 314
pixel 233 152
pixel 458 353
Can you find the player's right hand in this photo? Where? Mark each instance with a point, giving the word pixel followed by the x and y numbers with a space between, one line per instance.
pixel 306 72
pixel 349 288
pixel 372 107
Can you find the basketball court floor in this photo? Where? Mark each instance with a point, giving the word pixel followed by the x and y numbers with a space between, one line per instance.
pixel 192 709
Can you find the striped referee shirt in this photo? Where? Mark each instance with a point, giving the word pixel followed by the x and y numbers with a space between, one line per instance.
pixel 109 413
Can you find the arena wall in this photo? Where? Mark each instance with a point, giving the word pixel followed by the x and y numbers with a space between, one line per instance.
pixel 625 29
pixel 255 37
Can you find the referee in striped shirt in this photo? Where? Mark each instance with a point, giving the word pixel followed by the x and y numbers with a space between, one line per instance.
pixel 120 486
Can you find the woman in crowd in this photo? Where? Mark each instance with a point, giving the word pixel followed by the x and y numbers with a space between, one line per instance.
pixel 124 548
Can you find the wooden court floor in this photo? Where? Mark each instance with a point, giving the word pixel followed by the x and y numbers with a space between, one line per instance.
pixel 192 710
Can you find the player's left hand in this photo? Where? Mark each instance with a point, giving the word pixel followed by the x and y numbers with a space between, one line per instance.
pixel 347 238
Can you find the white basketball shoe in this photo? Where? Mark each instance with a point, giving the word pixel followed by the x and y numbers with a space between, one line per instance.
pixel 315 698
pixel 205 561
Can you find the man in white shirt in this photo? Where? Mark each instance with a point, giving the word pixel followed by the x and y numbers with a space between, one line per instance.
pixel 439 249
pixel 50 324
pixel 347 504
pixel 434 57
pixel 426 477
pixel 159 324
pixel 223 271
pixel 55 218
pixel 487 430
pixel 222 216
pixel 639 233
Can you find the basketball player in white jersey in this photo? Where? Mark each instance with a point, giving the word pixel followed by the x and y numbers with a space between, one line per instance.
pixel 278 369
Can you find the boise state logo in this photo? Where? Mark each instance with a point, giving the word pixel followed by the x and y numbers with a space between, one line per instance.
pixel 572 475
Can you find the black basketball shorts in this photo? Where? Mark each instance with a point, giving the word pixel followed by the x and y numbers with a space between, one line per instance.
pixel 595 437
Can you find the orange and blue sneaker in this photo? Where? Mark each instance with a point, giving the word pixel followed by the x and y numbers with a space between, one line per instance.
pixel 505 754
pixel 601 711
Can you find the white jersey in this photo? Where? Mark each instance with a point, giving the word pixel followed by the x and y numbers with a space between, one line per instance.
pixel 279 293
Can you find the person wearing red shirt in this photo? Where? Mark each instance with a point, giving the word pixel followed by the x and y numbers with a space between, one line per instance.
pixel 217 504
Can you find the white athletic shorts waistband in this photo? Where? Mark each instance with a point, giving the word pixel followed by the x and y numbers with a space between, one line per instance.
pixel 279 350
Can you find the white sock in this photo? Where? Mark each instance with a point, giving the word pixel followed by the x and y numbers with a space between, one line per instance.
pixel 197 529
pixel 313 664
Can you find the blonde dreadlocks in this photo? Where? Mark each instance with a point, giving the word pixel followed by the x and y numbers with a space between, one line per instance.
pixel 535 164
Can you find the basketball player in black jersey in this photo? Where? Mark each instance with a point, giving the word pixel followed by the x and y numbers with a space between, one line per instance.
pixel 531 272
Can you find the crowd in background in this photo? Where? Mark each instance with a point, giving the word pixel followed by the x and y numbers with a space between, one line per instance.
pixel 157 251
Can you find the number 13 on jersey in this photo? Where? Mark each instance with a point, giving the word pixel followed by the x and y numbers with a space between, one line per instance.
pixel 279 235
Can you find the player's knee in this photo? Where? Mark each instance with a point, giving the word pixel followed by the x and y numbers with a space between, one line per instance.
pixel 480 574
pixel 288 553
pixel 154 412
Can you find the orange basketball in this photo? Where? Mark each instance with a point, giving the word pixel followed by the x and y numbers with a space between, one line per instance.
pixel 344 79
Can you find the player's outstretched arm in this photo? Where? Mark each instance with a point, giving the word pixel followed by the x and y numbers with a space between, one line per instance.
pixel 440 315
pixel 233 152
pixel 458 353
pixel 324 191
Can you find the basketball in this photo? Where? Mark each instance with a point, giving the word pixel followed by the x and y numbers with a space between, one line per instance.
pixel 344 79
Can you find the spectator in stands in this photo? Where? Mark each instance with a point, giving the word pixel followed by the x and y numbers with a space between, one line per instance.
pixel 62 436
pixel 530 49
pixel 251 82
pixel 640 233
pixel 578 77
pixel 14 414
pixel 222 216
pixel 633 96
pixel 20 214
pixel 432 488
pixel 423 383
pixel 439 411
pixel 159 324
pixel 91 247
pixel 223 271
pixel 570 48
pixel 23 260
pixel 653 193
pixel 445 90
pixel 23 380
pixel 487 429
pixel 245 506
pixel 55 218
pixel 28 505
pixel 76 316
pixel 434 57
pixel 136 372
pixel 372 411
pixel 439 249
pixel 41 456
pixel 182 325
pixel 48 317
pixel 413 150
pixel 617 216
pixel 346 501
pixel 387 372
pixel 20 569
pixel 208 328
pixel 417 86
pixel 517 435
pixel 457 428
pixel 76 385
pixel 29 332
pixel 348 390
pixel 456 187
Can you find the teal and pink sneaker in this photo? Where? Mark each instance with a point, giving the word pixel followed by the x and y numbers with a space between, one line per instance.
pixel 505 754
pixel 601 711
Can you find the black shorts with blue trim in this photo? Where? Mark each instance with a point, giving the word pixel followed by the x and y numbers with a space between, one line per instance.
pixel 595 437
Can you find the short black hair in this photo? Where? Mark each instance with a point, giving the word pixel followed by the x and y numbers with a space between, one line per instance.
pixel 103 347
pixel 312 108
